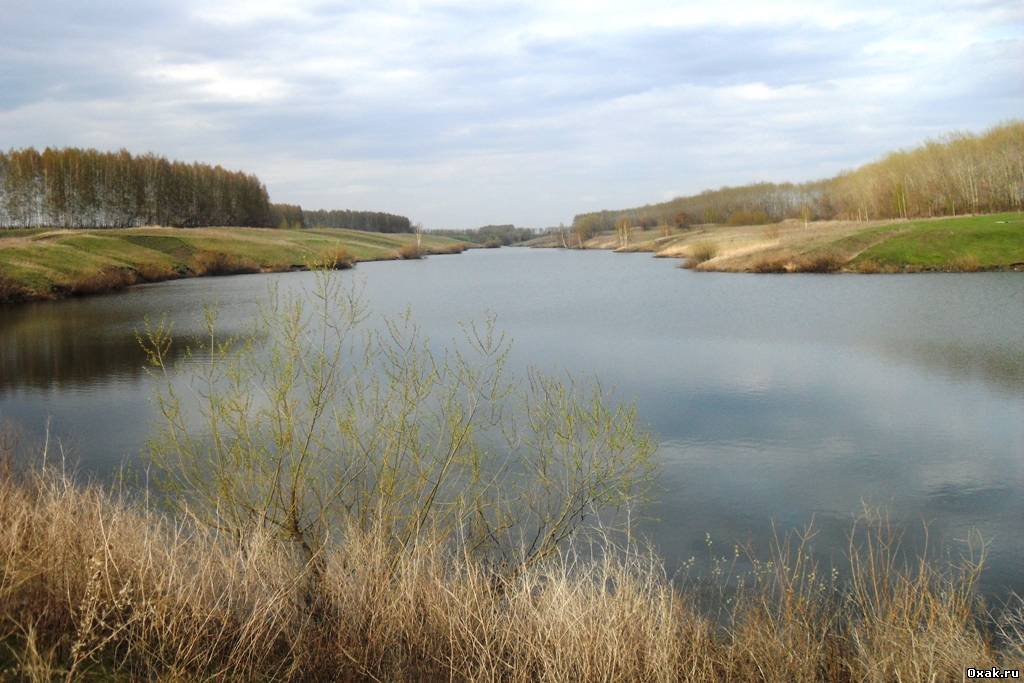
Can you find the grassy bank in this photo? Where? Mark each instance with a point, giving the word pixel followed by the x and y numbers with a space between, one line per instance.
pixel 95 588
pixel 45 264
pixel 965 243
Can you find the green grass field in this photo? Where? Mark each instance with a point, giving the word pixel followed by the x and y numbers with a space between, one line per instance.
pixel 43 264
pixel 968 243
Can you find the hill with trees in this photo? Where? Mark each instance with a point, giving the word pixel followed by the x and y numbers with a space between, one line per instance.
pixel 959 173
pixel 87 188
pixel 287 216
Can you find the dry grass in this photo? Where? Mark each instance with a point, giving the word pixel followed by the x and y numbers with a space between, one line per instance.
pixel 92 587
pixel 219 263
pixel 456 248
pixel 409 251
pixel 109 279
pixel 701 252
pixel 743 247
pixel 156 272
pixel 770 265
pixel 821 262
pixel 871 266
pixel 13 292
pixel 106 280
pixel 968 263
pixel 338 259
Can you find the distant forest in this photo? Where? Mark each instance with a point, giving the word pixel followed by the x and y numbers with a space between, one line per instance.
pixel 86 188
pixel 291 216
pixel 956 174
pixel 490 235
pixel 373 221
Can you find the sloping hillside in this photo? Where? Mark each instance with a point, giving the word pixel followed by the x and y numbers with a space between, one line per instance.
pixel 49 264
pixel 962 243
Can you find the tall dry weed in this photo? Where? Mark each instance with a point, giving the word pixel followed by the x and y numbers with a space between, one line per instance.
pixel 96 587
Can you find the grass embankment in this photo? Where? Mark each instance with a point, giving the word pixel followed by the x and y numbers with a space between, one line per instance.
pixel 958 244
pixel 95 588
pixel 46 264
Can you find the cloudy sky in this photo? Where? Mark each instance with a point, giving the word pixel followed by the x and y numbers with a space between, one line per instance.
pixel 460 113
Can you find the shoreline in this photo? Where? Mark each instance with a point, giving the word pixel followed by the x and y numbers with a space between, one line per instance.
pixel 955 244
pixel 48 265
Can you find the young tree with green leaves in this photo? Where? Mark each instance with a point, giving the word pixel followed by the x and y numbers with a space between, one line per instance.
pixel 311 427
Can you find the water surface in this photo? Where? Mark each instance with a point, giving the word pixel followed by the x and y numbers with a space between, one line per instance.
pixel 774 398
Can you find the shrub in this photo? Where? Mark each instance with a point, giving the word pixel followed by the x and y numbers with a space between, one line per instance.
pixel 379 430
pixel 770 265
pixel 409 251
pixel 825 262
pixel 219 263
pixel 109 279
pixel 703 251
pixel 12 291
pixel 338 259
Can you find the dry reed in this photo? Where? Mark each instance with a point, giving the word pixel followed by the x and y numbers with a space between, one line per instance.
pixel 338 259
pixel 701 252
pixel 770 265
pixel 409 251
pixel 822 262
pixel 458 248
pixel 219 263
pixel 107 280
pixel 93 586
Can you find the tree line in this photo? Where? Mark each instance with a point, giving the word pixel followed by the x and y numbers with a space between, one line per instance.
pixel 372 221
pixel 287 216
pixel 87 188
pixel 491 235
pixel 955 174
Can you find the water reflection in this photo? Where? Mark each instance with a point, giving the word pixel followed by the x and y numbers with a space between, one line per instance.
pixel 1001 367
pixel 50 347
pixel 775 398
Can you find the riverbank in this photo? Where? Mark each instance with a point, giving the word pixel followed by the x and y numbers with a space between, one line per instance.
pixel 51 264
pixel 96 588
pixel 956 244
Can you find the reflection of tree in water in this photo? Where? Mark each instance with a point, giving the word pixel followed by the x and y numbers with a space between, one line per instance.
pixel 57 346
pixel 1000 367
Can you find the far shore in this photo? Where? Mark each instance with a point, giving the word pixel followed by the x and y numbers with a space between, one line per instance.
pixel 991 242
pixel 53 264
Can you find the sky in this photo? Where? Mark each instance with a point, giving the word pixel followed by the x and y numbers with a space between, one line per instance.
pixel 459 114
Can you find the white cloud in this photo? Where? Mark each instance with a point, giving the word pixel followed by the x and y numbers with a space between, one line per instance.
pixel 241 12
pixel 214 82
pixel 462 113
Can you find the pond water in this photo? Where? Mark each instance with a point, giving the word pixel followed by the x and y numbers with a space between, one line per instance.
pixel 776 399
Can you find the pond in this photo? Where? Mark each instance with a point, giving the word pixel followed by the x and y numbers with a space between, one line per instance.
pixel 775 399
